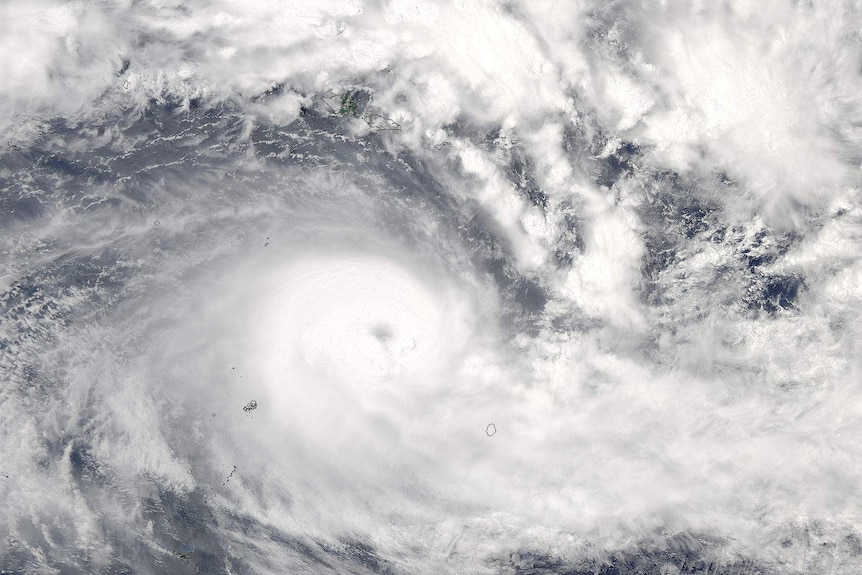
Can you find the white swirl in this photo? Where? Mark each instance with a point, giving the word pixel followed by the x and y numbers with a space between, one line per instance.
pixel 336 336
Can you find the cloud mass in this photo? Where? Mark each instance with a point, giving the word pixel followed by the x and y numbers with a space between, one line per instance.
pixel 430 287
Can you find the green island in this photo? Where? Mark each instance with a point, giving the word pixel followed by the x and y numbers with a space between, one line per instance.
pixel 348 105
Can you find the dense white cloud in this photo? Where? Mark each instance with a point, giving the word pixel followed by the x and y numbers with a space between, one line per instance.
pixel 379 360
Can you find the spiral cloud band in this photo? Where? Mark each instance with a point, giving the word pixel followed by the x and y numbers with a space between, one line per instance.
pixel 406 287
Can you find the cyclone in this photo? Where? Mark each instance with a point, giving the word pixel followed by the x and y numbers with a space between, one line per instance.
pixel 332 341
pixel 397 287
pixel 362 319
